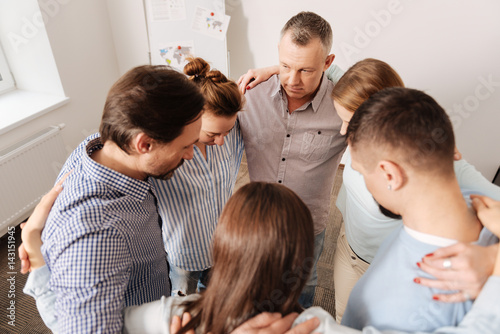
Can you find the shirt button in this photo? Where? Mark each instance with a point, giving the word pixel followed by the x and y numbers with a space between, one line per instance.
pixel 279 181
pixel 283 159
pixel 319 132
pixel 288 135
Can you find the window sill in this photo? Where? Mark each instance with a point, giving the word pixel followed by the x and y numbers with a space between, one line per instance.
pixel 19 107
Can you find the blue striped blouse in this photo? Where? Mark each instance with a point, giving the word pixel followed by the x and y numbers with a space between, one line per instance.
pixel 191 201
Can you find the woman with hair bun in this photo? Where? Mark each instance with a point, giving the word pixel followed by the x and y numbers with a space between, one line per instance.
pixel 222 101
pixel 192 200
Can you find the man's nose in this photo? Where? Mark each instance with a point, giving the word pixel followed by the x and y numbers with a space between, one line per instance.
pixel 294 78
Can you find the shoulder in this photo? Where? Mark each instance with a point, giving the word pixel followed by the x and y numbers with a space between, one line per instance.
pixel 76 156
pixel 264 90
pixel 472 181
pixel 84 206
pixel 325 93
pixel 394 241
pixel 334 73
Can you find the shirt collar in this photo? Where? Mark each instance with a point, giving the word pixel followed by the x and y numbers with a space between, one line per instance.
pixel 277 91
pixel 124 184
pixel 323 89
pixel 276 87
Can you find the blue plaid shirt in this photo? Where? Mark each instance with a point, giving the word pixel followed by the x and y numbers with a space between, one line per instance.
pixel 103 245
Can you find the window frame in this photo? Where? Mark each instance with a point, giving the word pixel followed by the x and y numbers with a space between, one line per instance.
pixel 7 82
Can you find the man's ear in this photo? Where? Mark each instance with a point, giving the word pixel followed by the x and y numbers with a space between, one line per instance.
pixel 142 143
pixel 394 174
pixel 328 61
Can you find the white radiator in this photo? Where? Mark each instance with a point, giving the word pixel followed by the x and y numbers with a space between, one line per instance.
pixel 28 170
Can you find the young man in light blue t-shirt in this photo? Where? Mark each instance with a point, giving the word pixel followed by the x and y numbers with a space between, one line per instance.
pixel 402 143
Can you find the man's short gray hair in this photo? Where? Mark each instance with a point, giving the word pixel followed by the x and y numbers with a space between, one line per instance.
pixel 306 26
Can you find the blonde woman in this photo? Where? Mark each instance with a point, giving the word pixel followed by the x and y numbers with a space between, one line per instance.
pixel 365 226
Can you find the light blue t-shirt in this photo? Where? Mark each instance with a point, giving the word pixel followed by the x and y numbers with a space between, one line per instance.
pixel 334 73
pixel 387 298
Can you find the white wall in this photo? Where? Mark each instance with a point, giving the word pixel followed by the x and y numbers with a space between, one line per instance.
pixel 448 48
pixel 80 36
pixel 128 24
pixel 24 35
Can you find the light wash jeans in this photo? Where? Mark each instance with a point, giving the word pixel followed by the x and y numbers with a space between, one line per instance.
pixel 187 282
pixel 307 296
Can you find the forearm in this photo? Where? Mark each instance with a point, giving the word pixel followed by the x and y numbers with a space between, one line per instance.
pixel 147 318
pixel 155 317
pixel 496 269
pixel 32 244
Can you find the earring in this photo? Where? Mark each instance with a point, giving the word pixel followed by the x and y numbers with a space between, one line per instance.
pixel 389 187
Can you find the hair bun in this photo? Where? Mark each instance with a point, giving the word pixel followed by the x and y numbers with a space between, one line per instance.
pixel 216 76
pixel 197 67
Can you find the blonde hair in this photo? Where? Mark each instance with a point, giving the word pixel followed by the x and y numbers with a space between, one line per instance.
pixel 222 97
pixel 362 80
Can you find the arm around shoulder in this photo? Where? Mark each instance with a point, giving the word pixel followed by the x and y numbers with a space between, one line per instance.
pixel 154 317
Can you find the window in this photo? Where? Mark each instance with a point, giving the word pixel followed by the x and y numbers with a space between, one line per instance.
pixel 6 80
pixel 37 89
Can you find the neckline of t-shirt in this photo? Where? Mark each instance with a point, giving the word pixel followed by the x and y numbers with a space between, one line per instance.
pixel 429 238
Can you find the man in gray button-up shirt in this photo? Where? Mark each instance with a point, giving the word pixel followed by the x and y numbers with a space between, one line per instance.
pixel 290 126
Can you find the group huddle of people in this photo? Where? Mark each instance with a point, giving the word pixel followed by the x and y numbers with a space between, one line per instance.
pixel 143 234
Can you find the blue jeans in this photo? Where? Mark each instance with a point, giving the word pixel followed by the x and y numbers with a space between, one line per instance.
pixel 307 296
pixel 187 282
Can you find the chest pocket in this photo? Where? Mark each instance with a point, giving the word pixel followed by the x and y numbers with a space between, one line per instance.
pixel 315 147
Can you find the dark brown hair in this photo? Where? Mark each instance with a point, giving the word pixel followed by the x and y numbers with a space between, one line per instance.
pixel 408 122
pixel 222 97
pixel 155 100
pixel 263 249
pixel 306 26
pixel 362 80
